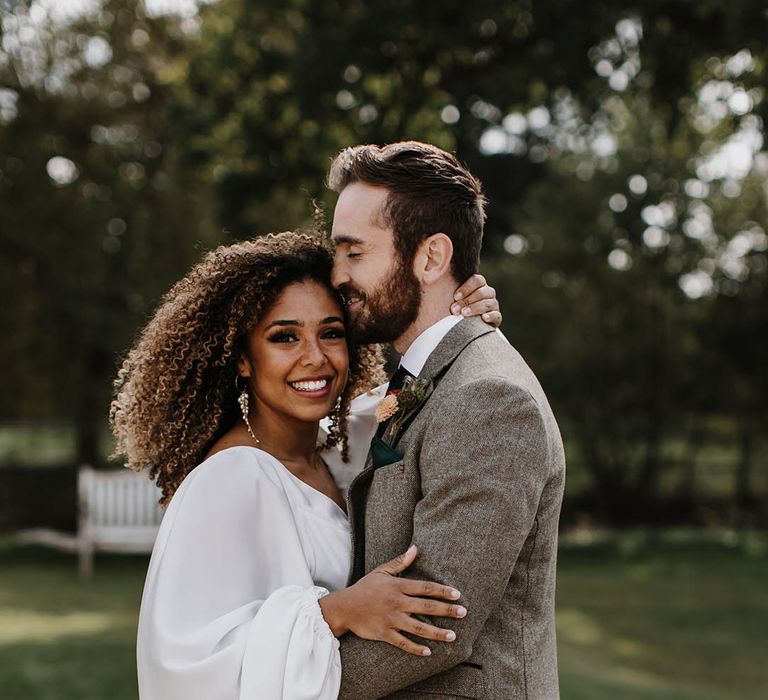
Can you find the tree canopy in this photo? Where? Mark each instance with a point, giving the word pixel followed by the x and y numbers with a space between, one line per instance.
pixel 620 144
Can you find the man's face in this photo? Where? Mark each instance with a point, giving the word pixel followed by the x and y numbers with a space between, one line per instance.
pixel 383 296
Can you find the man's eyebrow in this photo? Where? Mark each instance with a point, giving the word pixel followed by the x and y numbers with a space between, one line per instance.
pixel 346 239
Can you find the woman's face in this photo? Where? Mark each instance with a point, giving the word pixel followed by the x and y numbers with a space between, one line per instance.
pixel 297 356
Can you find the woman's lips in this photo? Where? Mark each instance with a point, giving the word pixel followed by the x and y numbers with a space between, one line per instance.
pixel 312 388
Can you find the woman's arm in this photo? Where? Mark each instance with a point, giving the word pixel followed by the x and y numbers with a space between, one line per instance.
pixel 477 298
pixel 230 609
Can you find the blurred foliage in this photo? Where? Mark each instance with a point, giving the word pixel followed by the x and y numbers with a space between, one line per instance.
pixel 96 219
pixel 620 144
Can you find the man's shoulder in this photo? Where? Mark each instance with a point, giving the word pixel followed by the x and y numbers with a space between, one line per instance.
pixel 490 377
pixel 490 359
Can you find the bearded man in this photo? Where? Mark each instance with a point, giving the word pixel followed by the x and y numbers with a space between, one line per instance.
pixel 467 462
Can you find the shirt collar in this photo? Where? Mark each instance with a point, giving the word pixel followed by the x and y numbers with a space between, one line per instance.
pixel 416 355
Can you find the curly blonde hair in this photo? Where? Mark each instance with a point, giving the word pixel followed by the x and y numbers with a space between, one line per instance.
pixel 175 392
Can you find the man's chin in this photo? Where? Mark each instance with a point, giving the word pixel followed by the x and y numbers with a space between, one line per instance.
pixel 367 335
pixel 361 332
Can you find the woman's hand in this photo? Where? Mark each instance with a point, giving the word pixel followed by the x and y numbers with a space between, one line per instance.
pixel 380 606
pixel 477 298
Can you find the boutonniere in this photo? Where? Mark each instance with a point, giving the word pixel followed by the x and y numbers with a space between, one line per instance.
pixel 396 403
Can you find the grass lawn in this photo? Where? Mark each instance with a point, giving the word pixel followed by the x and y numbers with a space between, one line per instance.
pixel 64 638
pixel 676 616
pixel 671 617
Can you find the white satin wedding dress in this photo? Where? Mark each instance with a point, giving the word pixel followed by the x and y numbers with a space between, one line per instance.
pixel 245 550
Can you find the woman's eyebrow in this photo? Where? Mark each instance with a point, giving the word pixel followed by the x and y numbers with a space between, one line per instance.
pixel 284 322
pixel 291 322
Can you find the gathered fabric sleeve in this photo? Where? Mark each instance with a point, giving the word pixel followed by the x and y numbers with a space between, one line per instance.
pixel 361 427
pixel 229 610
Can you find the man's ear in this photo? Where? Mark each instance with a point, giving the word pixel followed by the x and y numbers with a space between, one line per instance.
pixel 433 258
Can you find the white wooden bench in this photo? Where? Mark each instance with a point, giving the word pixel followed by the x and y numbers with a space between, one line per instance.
pixel 119 512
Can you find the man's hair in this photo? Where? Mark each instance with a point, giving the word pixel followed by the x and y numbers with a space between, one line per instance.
pixel 430 191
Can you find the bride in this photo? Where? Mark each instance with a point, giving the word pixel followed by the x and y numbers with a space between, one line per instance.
pixel 220 400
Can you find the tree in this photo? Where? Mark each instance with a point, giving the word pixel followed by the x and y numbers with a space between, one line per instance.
pixel 620 144
pixel 96 219
pixel 599 140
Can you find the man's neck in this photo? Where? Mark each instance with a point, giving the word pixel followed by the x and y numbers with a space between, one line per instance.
pixel 434 306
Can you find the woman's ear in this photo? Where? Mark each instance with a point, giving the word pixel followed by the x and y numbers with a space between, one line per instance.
pixel 433 258
pixel 244 368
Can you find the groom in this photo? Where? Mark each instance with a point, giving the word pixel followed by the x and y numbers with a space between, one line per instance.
pixel 470 467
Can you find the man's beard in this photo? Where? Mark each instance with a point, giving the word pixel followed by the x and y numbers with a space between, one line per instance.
pixel 388 310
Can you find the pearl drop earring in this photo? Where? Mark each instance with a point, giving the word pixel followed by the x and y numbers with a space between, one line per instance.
pixel 243 401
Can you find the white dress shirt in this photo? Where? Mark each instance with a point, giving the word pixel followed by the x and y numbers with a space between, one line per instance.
pixel 418 352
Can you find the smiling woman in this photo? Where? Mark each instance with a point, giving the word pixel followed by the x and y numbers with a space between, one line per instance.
pixel 221 400
pixel 176 393
pixel 296 364
pixel 296 356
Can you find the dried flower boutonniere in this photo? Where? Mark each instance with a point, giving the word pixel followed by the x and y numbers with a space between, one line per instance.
pixel 395 405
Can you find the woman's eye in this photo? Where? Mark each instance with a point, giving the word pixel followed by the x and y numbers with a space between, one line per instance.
pixel 283 337
pixel 333 333
pixel 353 255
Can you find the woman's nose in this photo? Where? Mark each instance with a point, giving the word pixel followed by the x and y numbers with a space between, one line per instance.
pixel 313 353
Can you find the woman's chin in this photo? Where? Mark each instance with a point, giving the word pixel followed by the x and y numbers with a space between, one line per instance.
pixel 318 412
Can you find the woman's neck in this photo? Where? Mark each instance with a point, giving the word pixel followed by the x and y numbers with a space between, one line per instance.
pixel 286 439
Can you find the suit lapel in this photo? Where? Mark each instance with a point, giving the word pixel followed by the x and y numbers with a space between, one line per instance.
pixel 449 348
pixel 437 364
pixel 356 497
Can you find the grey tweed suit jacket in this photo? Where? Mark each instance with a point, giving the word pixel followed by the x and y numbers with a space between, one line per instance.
pixel 478 489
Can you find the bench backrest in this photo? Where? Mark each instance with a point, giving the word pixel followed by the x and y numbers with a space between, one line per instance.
pixel 118 509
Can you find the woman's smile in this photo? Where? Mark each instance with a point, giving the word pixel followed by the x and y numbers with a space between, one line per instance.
pixel 312 387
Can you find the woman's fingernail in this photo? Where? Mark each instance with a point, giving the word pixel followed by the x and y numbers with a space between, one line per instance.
pixel 466 311
pixel 458 296
pixel 450 636
pixel 455 594
pixel 486 317
pixel 455 309
pixel 461 611
pixel 426 652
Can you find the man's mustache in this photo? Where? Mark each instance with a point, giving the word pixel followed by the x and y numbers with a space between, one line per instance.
pixel 349 293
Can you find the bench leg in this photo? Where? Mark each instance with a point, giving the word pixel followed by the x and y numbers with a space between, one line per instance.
pixel 86 560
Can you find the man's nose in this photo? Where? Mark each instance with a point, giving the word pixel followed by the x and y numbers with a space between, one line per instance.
pixel 339 276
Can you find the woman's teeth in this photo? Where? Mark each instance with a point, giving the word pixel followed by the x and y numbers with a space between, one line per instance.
pixel 310 386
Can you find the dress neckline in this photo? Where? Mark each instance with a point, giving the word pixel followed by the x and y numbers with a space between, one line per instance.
pixel 301 483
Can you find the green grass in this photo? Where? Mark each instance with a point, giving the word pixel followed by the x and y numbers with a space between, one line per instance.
pixel 38 444
pixel 677 616
pixel 663 618
pixel 62 638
